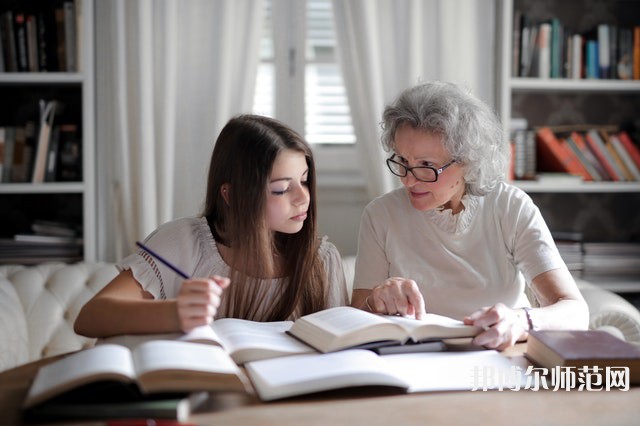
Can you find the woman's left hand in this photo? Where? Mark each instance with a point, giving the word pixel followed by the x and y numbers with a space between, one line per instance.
pixel 503 326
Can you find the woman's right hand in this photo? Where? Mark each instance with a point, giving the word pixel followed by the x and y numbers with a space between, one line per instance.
pixel 198 301
pixel 397 296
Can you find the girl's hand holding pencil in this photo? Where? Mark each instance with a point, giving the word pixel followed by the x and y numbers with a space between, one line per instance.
pixel 198 299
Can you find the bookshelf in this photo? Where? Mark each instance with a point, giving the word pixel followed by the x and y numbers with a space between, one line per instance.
pixel 67 195
pixel 602 212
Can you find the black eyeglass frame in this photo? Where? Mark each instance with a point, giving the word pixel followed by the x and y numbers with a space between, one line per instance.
pixel 436 171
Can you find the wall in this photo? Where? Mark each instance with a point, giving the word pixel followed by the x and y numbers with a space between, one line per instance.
pixel 339 211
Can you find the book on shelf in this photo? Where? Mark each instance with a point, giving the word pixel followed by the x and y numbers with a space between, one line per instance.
pixel 630 146
pixel 585 158
pixel 9 144
pixel 403 373
pixel 47 239
pixel 69 156
pixel 583 348
pixel 619 150
pixel 615 155
pixel 154 367
pixel 636 52
pixel 47 113
pixel 173 406
pixel 54 228
pixel 42 38
pixel 611 259
pixel 8 41
pixel 554 155
pixel 600 151
pixel 544 47
pixel 242 340
pixel 345 327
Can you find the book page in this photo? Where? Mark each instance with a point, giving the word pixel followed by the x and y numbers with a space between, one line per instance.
pixel 251 341
pixel 445 371
pixel 202 334
pixel 98 363
pixel 433 326
pixel 164 365
pixel 344 326
pixel 302 374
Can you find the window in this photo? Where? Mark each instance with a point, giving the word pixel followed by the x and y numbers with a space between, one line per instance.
pixel 299 80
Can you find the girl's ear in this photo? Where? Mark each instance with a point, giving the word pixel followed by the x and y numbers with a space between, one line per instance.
pixel 224 190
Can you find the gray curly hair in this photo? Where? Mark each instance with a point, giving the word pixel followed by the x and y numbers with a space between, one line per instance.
pixel 471 131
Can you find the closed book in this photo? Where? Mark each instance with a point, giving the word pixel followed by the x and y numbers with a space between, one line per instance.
pixel 583 348
pixel 631 147
pixel 624 156
pixel 166 406
pixel 544 50
pixel 554 156
pixel 47 113
pixel 595 143
pixel 619 162
pixel 586 162
pixel 580 142
pixel 576 56
pixel 604 56
pixel 592 67
pixel 636 53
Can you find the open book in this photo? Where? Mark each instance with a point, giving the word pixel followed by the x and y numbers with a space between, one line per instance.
pixel 152 367
pixel 346 327
pixel 407 373
pixel 243 340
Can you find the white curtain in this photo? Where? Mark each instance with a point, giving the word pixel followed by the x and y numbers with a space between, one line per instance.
pixel 386 46
pixel 169 75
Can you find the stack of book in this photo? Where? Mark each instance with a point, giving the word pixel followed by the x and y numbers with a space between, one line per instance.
pixel 589 153
pixel 606 260
pixel 49 241
pixel 570 246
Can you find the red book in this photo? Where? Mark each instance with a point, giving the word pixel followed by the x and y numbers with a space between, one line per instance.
pixel 589 155
pixel 631 147
pixel 555 156
pixel 600 151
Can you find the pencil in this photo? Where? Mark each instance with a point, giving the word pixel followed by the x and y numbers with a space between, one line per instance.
pixel 162 260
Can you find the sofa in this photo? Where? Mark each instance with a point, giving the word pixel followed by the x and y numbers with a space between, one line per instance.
pixel 39 304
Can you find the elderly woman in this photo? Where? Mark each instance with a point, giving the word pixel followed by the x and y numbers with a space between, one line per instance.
pixel 455 239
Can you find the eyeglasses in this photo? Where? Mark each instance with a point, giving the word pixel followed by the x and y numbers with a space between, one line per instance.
pixel 421 173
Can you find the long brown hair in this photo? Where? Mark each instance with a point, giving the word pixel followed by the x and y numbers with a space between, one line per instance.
pixel 243 157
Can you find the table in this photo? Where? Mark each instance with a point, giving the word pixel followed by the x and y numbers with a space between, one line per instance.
pixel 378 406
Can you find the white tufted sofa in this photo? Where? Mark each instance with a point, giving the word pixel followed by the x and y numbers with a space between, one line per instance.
pixel 39 304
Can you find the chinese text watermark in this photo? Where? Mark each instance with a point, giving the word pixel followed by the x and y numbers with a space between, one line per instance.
pixel 584 378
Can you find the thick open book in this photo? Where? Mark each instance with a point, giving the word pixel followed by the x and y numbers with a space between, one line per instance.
pixel 154 367
pixel 243 340
pixel 407 373
pixel 346 327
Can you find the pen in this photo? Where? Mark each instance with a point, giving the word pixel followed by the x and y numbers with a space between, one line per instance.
pixel 162 260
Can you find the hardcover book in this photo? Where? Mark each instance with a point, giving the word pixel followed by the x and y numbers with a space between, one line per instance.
pixel 579 348
pixel 555 156
pixel 345 327
pixel 152 368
